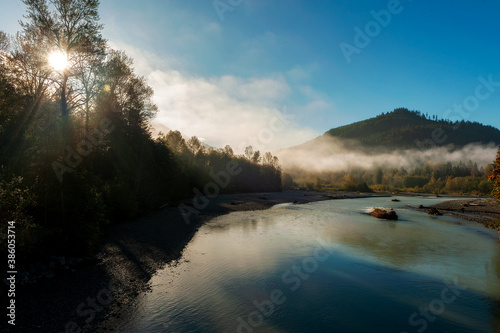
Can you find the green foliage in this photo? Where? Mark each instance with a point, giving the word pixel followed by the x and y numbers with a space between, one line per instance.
pixel 415 181
pixel 287 181
pixel 495 177
pixel 404 129
pixel 460 178
pixel 76 152
pixel 17 203
pixel 16 200
pixel 201 163
pixel 379 176
pixel 361 187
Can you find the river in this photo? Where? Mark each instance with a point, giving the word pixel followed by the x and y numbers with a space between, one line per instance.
pixel 327 267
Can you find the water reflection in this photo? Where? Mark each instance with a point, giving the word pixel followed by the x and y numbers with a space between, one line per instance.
pixel 325 267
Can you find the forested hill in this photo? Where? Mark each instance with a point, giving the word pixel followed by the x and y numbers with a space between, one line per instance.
pixel 404 129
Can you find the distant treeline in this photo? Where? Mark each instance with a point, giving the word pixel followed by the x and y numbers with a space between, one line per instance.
pixel 254 172
pixel 495 179
pixel 76 150
pixel 448 178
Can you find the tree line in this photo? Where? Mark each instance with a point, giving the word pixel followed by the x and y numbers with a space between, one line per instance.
pixel 442 178
pixel 76 149
pixel 405 129
pixel 495 178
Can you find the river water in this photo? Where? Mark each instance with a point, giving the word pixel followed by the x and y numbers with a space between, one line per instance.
pixel 327 267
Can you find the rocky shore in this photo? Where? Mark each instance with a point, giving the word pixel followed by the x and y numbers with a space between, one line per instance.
pixel 485 210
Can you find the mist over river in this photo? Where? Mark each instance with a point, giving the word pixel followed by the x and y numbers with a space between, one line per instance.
pixel 327 267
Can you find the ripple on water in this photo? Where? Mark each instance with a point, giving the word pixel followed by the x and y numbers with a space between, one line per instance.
pixel 372 276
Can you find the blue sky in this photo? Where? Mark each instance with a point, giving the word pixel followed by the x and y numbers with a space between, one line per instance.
pixel 227 80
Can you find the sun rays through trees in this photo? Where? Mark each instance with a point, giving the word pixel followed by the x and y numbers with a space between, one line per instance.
pixel 75 139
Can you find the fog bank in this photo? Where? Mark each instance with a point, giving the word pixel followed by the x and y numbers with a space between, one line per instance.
pixel 330 154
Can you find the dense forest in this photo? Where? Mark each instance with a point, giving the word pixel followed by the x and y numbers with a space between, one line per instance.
pixel 495 178
pixel 405 129
pixel 447 178
pixel 402 131
pixel 76 150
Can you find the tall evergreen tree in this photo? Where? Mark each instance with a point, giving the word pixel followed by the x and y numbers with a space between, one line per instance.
pixel 495 177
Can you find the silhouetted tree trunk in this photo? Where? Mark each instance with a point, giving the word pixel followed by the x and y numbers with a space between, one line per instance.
pixel 64 100
pixel 68 26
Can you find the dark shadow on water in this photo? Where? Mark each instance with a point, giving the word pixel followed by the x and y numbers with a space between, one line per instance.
pixel 131 253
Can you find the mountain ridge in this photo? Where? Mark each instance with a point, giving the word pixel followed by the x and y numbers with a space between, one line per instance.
pixel 405 129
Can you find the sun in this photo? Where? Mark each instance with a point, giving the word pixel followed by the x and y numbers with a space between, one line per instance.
pixel 58 60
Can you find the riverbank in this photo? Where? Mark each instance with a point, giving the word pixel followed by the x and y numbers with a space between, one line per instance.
pixel 129 255
pixel 485 210
pixel 95 297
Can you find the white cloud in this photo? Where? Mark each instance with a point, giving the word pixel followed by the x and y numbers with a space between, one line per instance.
pixel 255 90
pixel 223 110
pixel 236 115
